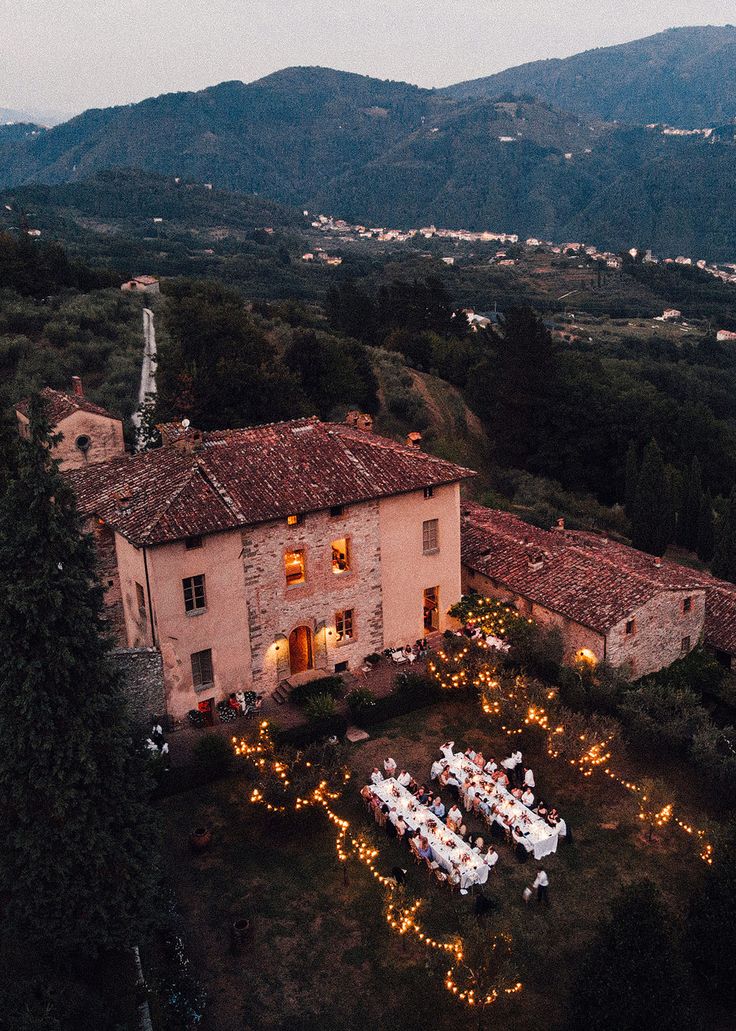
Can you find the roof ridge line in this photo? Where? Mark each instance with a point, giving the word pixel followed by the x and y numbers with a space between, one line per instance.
pixel 209 477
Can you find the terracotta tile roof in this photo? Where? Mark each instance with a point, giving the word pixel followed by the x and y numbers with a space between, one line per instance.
pixel 586 577
pixel 240 477
pixel 60 405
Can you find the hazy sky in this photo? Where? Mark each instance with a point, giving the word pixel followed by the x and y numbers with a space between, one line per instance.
pixel 74 54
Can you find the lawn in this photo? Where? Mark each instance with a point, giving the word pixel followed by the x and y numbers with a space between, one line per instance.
pixel 322 954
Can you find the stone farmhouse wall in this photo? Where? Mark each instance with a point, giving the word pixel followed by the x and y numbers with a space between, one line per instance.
pixel 141 672
pixel 104 436
pixel 661 628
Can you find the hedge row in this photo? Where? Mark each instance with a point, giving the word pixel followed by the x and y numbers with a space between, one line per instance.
pixel 412 691
pixel 316 730
pixel 302 693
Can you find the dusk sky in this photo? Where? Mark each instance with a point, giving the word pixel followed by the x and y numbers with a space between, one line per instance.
pixel 72 54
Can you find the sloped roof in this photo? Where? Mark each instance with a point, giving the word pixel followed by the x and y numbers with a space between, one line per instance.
pixel 60 405
pixel 240 477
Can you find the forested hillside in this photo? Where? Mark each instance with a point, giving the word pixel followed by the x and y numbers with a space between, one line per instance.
pixel 683 77
pixel 389 153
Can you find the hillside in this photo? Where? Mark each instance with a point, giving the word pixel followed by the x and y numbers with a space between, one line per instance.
pixel 388 153
pixel 683 77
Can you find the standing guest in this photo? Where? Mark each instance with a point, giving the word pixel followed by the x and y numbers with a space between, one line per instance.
pixel 529 778
pixel 437 768
pixel 389 767
pixel 454 818
pixel 404 779
pixel 376 776
pixel 447 750
pixel 438 808
pixel 541 883
pixel 561 830
pixel 528 797
pixel 512 761
pixel 400 828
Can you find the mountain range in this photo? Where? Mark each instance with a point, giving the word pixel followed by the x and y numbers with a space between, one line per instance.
pixel 559 149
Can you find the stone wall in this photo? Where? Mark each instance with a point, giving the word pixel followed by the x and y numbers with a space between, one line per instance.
pixel 142 677
pixel 275 608
pixel 104 437
pixel 660 628
pixel 107 570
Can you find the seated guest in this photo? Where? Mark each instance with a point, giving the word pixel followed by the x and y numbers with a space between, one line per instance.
pixel 470 752
pixel 423 848
pixel 437 768
pixel 462 830
pixel 393 815
pixel 400 828
pixel 454 818
pixel 412 786
pixel 527 797
pixel 438 808
pixel 389 766
pixel 516 792
pixel 404 779
pixel 478 844
pixel 479 760
pixel 491 766
pixel 561 830
pixel 541 809
pixel 491 857
pixel 553 817
pixel 423 795
pixel 376 776
pixel 366 794
pixel 444 776
pixel 501 777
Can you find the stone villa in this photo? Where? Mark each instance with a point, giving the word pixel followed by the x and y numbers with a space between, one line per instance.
pixel 251 556
pixel 247 557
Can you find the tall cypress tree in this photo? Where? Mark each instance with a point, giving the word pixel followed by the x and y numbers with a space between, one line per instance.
pixel 724 553
pixel 652 516
pixel 77 866
pixel 689 509
pixel 632 975
pixel 706 528
pixel 631 477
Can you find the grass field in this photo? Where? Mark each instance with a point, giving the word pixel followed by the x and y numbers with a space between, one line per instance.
pixel 322 954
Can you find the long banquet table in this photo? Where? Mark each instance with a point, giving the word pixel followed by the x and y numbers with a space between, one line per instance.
pixel 536 835
pixel 442 841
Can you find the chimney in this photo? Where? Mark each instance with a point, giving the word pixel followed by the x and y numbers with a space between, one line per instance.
pixel 535 560
pixel 657 562
pixel 560 525
pixel 77 386
pixel 360 420
pixel 414 439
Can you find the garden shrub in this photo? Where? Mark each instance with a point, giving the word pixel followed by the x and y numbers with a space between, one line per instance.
pixel 213 756
pixel 654 713
pixel 360 699
pixel 332 685
pixel 320 706
pixel 412 691
pixel 315 730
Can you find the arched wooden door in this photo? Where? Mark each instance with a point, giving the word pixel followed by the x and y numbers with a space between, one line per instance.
pixel 301 654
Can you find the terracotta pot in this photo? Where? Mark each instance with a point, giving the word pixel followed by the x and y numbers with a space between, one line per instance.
pixel 239 935
pixel 200 838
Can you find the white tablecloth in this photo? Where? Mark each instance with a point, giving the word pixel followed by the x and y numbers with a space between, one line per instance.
pixel 535 834
pixel 442 841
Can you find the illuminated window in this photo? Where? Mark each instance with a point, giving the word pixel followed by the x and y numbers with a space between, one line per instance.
pixel 431 603
pixel 202 674
pixel 194 594
pixel 630 626
pixel 295 567
pixel 140 598
pixel 344 625
pixel 294 520
pixel 341 556
pixel 430 536
pixel 687 604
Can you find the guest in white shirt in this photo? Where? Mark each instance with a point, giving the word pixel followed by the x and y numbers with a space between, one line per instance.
pixel 389 766
pixel 404 779
pixel 454 818
pixel 491 857
pixel 561 829
pixel 491 766
pixel 437 768
pixel 528 797
pixel 529 778
pixel 447 750
pixel 376 776
pixel 541 883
